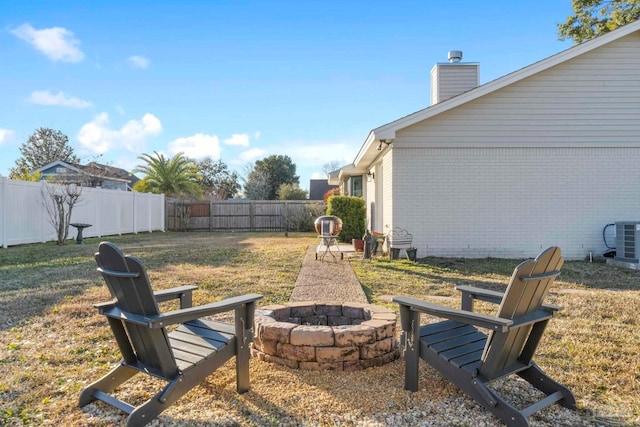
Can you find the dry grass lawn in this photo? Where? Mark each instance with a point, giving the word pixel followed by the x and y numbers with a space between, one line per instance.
pixel 53 342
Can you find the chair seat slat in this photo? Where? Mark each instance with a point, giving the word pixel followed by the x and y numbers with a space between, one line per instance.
pixel 208 329
pixel 470 361
pixel 459 341
pixel 446 334
pixel 206 339
pixel 186 356
pixel 462 350
pixel 196 345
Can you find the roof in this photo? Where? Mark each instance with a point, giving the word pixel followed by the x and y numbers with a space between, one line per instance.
pixel 369 150
pixel 111 172
pixel 95 169
pixel 318 187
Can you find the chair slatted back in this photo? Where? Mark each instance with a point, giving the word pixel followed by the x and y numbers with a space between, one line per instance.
pixel 525 294
pixel 128 283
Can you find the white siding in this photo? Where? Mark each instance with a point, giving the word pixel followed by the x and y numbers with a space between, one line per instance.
pixel 371 202
pixel 593 99
pixel 387 191
pixel 379 213
pixel 550 159
pixel 374 198
pixel 511 202
pixel 449 80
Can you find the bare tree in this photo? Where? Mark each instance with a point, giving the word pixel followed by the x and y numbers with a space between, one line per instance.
pixel 331 166
pixel 59 200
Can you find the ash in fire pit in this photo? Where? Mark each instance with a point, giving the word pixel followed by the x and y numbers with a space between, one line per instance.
pixel 308 335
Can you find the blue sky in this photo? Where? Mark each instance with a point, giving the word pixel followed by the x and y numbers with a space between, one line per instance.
pixel 241 80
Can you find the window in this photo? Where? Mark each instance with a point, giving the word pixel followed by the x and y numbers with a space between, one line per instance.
pixel 356 186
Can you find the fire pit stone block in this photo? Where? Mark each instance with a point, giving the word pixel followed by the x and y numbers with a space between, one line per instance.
pixel 316 336
pixel 326 336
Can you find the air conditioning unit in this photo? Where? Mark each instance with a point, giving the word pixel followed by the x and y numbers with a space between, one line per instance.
pixel 628 241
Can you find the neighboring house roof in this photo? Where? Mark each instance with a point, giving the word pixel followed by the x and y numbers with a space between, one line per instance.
pixel 94 169
pixel 368 152
pixel 111 172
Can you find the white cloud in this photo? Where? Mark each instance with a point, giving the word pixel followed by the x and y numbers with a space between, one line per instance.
pixel 250 155
pixel 6 135
pixel 318 175
pixel 318 153
pixel 137 61
pixel 256 135
pixel 98 137
pixel 128 163
pixel 238 139
pixel 44 97
pixel 135 130
pixel 197 146
pixel 57 43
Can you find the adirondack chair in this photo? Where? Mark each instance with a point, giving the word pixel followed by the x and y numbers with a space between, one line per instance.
pixel 472 359
pixel 183 357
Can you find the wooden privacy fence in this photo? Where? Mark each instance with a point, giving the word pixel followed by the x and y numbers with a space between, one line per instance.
pixel 244 215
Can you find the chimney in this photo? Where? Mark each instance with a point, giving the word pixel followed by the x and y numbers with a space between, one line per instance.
pixel 452 78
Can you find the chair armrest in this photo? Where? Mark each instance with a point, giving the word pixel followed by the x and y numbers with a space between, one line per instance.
pixel 492 296
pixel 468 317
pixel 184 293
pixel 481 294
pixel 531 318
pixel 104 306
pixel 109 309
pixel 552 307
pixel 184 315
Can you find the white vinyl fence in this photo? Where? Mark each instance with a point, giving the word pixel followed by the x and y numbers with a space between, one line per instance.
pixel 23 219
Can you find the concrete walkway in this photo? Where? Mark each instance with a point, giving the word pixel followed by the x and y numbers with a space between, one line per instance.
pixel 330 280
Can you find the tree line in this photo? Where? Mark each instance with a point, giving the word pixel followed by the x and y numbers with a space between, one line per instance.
pixel 271 178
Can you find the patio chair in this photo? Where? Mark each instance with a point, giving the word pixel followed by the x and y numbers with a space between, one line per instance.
pixel 472 359
pixel 400 239
pixel 183 357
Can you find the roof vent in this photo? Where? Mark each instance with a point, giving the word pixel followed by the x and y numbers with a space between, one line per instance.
pixel 455 56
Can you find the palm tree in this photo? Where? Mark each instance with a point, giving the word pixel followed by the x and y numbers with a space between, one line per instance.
pixel 174 177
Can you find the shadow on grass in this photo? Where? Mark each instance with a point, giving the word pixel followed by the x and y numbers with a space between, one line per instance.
pixel 19 305
pixel 430 272
pixel 37 277
pixel 595 275
pixel 368 293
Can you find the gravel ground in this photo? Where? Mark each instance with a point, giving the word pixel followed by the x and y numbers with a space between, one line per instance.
pixel 284 397
pixel 373 397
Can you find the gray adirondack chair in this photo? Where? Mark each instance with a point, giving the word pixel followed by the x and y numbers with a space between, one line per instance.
pixel 472 359
pixel 183 357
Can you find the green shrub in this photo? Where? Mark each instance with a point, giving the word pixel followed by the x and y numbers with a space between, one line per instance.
pixel 352 211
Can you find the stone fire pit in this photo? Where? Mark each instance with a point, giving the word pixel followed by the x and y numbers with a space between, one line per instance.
pixel 314 336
